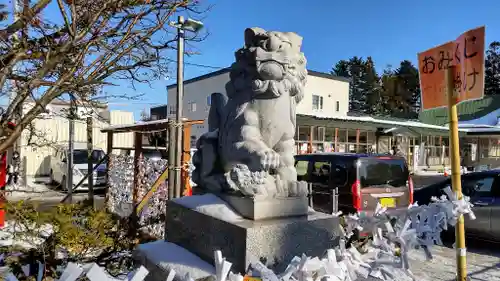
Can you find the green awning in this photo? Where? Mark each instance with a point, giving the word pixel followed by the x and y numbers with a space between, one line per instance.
pixel 468 110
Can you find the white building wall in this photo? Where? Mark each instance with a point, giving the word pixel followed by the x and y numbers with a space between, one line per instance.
pixel 52 130
pixel 331 90
pixel 197 93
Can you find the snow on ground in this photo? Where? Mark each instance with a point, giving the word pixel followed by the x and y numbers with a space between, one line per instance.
pixel 37 188
pixel 33 188
pixel 11 235
pixel 210 205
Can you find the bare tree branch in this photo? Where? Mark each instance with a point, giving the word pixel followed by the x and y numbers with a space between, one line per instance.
pixel 95 44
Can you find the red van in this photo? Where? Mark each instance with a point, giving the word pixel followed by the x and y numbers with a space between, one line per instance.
pixel 360 180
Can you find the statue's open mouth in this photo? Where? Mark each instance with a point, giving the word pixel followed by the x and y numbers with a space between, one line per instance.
pixel 270 65
pixel 263 55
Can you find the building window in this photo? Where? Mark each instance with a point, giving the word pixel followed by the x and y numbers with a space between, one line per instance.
pixel 209 100
pixel 317 103
pixel 337 106
pixel 192 106
pixel 154 117
pixel 172 109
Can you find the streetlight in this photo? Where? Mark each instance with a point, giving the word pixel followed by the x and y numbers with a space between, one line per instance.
pixel 181 25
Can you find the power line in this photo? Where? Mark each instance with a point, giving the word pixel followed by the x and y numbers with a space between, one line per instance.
pixel 204 66
pixel 199 64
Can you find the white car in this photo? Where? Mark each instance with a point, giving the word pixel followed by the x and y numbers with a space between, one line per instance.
pixel 58 168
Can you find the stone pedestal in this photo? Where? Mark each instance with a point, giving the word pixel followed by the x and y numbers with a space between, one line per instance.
pixel 205 223
pixel 267 208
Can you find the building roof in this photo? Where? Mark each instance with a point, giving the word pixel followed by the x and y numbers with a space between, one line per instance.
pixel 145 127
pixel 482 130
pixel 468 110
pixel 413 127
pixel 227 69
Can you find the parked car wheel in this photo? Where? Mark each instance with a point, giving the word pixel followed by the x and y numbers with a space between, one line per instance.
pixel 63 184
pixel 51 175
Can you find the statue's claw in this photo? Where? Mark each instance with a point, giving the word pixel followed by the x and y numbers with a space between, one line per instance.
pixel 270 159
pixel 297 188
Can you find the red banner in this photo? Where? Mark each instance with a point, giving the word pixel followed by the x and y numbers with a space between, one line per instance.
pixel 3 170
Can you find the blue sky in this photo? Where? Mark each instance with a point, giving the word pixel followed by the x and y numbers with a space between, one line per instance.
pixel 387 30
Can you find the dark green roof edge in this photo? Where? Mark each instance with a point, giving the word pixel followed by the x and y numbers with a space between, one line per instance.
pixel 468 110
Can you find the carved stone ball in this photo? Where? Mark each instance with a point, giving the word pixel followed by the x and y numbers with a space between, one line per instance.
pixel 271 70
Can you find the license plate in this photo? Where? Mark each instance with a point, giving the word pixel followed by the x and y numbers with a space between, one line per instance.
pixel 388 202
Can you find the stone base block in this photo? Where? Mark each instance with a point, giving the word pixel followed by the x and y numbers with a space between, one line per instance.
pixel 160 257
pixel 258 209
pixel 202 226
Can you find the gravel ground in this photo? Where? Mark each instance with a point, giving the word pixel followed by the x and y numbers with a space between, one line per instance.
pixel 483 263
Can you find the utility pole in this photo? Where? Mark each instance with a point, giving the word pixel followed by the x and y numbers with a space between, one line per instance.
pixel 181 25
pixel 69 159
pixel 90 163
pixel 19 8
pixel 171 156
pixel 180 101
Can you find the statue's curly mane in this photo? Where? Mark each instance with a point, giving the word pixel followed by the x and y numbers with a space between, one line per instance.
pixel 270 62
pixel 252 133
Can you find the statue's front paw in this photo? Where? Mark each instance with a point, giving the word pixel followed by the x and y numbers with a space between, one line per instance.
pixel 270 160
pixel 297 189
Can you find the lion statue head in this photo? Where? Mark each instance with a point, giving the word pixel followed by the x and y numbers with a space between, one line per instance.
pixel 270 63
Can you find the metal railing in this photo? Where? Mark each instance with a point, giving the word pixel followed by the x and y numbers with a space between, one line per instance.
pixel 332 205
pixel 163 177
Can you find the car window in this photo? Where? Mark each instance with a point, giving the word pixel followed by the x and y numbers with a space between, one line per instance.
pixel 321 171
pixel 381 171
pixel 301 167
pixel 151 154
pixel 80 156
pixel 478 186
pixel 339 175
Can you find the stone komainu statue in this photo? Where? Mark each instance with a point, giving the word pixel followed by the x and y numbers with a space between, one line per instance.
pixel 250 144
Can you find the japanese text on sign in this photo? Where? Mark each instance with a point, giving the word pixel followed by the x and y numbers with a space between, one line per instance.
pixel 467 53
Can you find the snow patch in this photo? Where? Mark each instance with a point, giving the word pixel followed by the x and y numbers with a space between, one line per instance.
pixel 27 237
pixel 172 257
pixel 211 205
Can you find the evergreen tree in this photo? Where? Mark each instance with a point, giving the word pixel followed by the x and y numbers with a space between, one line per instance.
pixel 492 70
pixel 407 75
pixel 401 91
pixel 389 85
pixel 357 97
pixel 394 93
pixel 363 78
pixel 370 83
pixel 348 69
pixel 341 69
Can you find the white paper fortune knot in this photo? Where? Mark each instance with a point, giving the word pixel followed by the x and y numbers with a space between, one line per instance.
pixel 222 266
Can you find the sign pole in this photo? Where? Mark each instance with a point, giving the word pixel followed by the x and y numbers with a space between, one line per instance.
pixel 455 172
